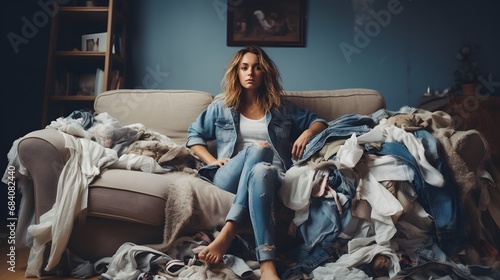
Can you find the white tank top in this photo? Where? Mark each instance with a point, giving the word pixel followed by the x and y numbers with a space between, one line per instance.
pixel 251 131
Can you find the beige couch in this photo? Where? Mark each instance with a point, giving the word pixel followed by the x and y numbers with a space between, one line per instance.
pixel 128 206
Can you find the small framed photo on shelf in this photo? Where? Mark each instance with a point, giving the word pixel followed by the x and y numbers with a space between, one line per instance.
pixel 96 42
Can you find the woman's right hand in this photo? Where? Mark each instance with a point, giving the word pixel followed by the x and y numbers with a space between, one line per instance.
pixel 220 162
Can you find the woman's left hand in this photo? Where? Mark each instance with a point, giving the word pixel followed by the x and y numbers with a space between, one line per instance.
pixel 299 145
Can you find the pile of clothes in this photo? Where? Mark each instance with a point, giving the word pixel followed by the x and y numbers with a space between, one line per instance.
pixel 386 194
pixel 100 142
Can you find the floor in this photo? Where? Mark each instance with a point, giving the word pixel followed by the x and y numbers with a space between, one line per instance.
pixel 21 257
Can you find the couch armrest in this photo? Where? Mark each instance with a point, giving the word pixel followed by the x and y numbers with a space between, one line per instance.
pixel 44 155
pixel 471 147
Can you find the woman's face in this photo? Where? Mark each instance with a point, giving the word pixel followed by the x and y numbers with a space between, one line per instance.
pixel 249 72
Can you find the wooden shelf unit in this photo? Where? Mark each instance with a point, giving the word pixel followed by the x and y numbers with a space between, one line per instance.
pixel 71 69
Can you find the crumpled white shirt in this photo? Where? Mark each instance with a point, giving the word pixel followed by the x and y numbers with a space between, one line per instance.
pixel 295 191
pixel 361 250
pixel 385 132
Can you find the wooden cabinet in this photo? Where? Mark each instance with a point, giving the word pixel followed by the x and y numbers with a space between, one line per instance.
pixel 480 112
pixel 87 55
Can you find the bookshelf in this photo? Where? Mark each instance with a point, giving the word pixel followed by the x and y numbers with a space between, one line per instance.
pixel 87 55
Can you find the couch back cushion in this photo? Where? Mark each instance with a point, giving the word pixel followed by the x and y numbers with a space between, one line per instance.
pixel 331 104
pixel 169 112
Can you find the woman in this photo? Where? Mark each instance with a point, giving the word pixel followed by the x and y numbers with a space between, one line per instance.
pixel 253 127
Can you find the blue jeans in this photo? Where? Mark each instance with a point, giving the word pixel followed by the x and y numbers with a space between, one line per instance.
pixel 342 127
pixel 251 176
pixel 443 203
pixel 323 211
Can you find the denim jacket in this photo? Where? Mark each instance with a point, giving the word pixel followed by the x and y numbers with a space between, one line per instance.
pixel 342 127
pixel 220 122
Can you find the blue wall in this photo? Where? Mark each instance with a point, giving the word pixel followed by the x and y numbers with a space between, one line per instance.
pixel 184 43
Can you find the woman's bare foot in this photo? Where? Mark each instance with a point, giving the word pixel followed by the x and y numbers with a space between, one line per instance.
pixel 268 271
pixel 216 249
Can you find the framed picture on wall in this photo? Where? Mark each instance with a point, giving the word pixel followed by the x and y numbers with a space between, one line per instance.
pixel 266 23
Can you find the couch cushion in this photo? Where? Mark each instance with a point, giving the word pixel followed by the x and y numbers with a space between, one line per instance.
pixel 128 196
pixel 331 104
pixel 140 197
pixel 169 112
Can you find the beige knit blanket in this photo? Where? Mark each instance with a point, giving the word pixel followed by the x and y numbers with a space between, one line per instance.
pixel 192 204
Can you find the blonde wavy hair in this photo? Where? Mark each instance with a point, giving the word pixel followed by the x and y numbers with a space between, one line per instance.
pixel 269 93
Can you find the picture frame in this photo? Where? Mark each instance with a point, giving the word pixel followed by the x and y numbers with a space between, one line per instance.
pixel 96 42
pixel 279 23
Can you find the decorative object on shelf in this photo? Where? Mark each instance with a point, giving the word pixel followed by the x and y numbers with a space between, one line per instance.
pixel 86 84
pixel 466 76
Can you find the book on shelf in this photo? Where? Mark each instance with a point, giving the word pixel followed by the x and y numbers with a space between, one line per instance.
pixel 116 47
pixel 99 81
pixel 114 79
pixel 121 83
pixel 65 83
pixel 60 85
